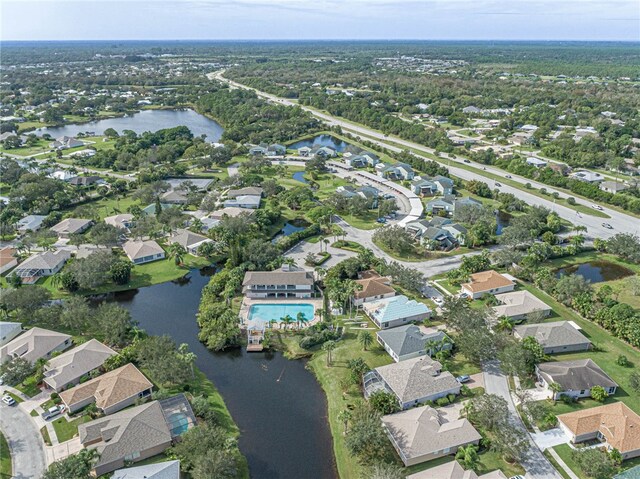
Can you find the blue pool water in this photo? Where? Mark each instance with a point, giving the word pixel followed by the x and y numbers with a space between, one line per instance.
pixel 179 423
pixel 267 312
pixel 321 140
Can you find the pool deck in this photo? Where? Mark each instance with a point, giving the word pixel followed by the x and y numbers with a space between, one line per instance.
pixel 248 302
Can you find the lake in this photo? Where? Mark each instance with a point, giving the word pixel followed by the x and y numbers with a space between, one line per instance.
pixel 146 120
pixel 596 271
pixel 299 176
pixel 321 140
pixel 278 405
pixel 502 221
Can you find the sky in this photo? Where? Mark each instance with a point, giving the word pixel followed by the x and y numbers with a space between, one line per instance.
pixel 320 19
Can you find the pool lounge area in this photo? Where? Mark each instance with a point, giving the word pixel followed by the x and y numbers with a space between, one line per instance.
pixel 255 310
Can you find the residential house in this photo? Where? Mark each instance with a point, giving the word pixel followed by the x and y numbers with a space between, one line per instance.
pixel 457 231
pixel 453 470
pixel 111 392
pixel 556 337
pixel 440 206
pixel 411 341
pixel 248 191
pixel 471 110
pixel 324 152
pixel 8 331
pixel 160 470
pixel 369 193
pixel 615 425
pixel 231 212
pixel 467 201
pixel 437 233
pixel 244 201
pixel 373 287
pixel 304 151
pixel 396 311
pixel 258 151
pixel 85 180
pixel 537 162
pixel 86 153
pixel 487 282
pixel 123 221
pixel 67 368
pixel 199 184
pixel 397 171
pixel 62 175
pixel 517 305
pixel 613 186
pixel 71 226
pixel 34 344
pixel 362 159
pixel 65 142
pixel 422 434
pixel 174 197
pixel 276 150
pixel 30 223
pixel 282 283
pixel 576 378
pixel 444 184
pixel 587 176
pixel 188 240
pixel 140 252
pixel 42 264
pixel 413 381
pixel 8 259
pixel 423 186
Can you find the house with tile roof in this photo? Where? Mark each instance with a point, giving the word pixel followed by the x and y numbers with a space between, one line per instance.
pixel 188 240
pixel 373 287
pixel 411 341
pixel 244 201
pixel 413 381
pixel 140 252
pixel 8 258
pixel 556 337
pixel 160 470
pixel 453 470
pixel 422 434
pixel 249 190
pixel 487 282
pixel 231 212
pixel 67 368
pixel 396 311
pixel 123 221
pixel 615 425
pixel 42 264
pixel 71 226
pixel 30 223
pixel 576 378
pixel 111 392
pixel 517 305
pixel 34 344
pixel 174 197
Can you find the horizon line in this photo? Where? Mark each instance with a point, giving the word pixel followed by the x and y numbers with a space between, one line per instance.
pixel 266 40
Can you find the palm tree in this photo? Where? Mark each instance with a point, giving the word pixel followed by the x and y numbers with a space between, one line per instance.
pixel 287 320
pixel 349 287
pixel 329 346
pixel 468 456
pixel 577 241
pixel 56 280
pixel 431 346
pixel 177 252
pixel 365 339
pixel 555 389
pixel 272 322
pixel 301 319
pixel 197 225
pixel 344 416
pixel 505 324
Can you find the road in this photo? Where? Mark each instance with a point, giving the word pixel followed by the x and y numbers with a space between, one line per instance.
pixel 25 442
pixel 621 222
pixel 535 463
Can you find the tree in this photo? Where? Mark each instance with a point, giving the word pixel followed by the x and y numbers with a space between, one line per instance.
pixel 505 324
pixel 598 393
pixel 219 325
pixel 344 416
pixel 365 338
pixel 24 301
pixel 76 466
pixel 366 439
pixel 570 286
pixel 468 456
pixel 594 463
pixel 634 381
pixel 328 347
pixel 92 271
pixel 167 365
pixel 120 272
pixel 104 234
pixel 111 133
pixel 112 323
pixel 177 252
pixel 488 411
pixel 262 254
pixel 556 388
pixel 75 314
pixel 203 441
pixel 384 402
pixel 16 370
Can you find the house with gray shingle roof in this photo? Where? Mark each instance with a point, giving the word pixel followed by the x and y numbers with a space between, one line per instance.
pixel 35 343
pixel 42 264
pixel 453 470
pixel 411 341
pixel 576 378
pixel 69 367
pixel 556 337
pixel 30 223
pixel 188 240
pixel 70 226
pixel 161 470
pixel 8 331
pixel 140 252
pixel 517 305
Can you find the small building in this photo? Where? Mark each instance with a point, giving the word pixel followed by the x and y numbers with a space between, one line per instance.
pixel 231 212
pixel 411 341
pixel 374 287
pixel 587 176
pixel 62 175
pixel 123 221
pixel 396 311
pixel 85 180
pixel 244 201
pixel 440 206
pixel 160 470
pixel 188 240
pixel 67 368
pixel 174 197
pixel 304 151
pixel 423 187
pixel 517 305
pixel 30 223
pixel 71 226
pixel 615 425
pixel 487 282
pixel 8 259
pixel 140 252
pixel 537 162
pixel 324 152
pixel 65 142
pixel 258 151
pixel 556 337
pixel 255 335
pixel 613 186
pixel 397 171
pixel 86 153
pixel 422 434
pixel 111 392
pixel 40 265
pixel 453 470
pixel 576 378
pixel 248 191
pixel 35 343
pixel 8 331
pixel 282 283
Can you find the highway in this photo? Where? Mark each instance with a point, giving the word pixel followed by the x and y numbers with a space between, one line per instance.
pixel 621 222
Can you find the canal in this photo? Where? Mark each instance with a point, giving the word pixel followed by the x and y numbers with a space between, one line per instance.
pixel 278 405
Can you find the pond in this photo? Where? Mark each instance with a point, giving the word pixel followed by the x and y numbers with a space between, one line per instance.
pixel 321 140
pixel 502 221
pixel 146 120
pixel 299 176
pixel 596 271
pixel 278 405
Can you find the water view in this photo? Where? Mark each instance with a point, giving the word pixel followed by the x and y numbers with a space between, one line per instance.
pixel 299 176
pixel 146 120
pixel 321 140
pixel 597 271
pixel 277 311
pixel 274 401
pixel 502 221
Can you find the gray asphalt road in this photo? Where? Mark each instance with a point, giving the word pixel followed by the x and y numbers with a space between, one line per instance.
pixel 25 442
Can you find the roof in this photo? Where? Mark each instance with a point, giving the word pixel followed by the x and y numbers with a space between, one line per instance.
pixel 453 470
pixel 408 339
pixel 250 190
pixel 110 388
pixel 31 222
pixel 119 220
pixel 423 430
pixel 174 195
pixel 397 307
pixel 556 334
pixel 231 211
pixel 279 277
pixel 70 226
pixel 7 255
pixel 374 287
pixel 161 470
pixel 516 303
pixel 575 375
pixel 417 378
pixel 187 239
pixel 486 280
pixel 84 180
pixel 253 200
pixel 613 185
pixel 140 249
pixel 76 362
pixel 132 430
pixel 615 421
pixel 33 344
pixel 8 328
pixel 45 260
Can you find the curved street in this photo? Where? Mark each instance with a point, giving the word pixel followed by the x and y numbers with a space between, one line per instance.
pixel 25 442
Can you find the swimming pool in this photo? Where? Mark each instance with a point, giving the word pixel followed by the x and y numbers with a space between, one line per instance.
pixel 268 311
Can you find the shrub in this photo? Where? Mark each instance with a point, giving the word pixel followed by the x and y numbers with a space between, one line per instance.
pixel 622 361
pixel 451 397
pixel 571 200
pixel 527 186
pixel 54 395
pixel 442 401
pixel 567 399
pixel 599 394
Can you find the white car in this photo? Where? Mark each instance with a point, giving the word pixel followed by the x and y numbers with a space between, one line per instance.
pixel 439 301
pixel 597 207
pixel 8 400
pixel 607 225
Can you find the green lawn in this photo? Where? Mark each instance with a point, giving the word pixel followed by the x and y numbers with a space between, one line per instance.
pixel 45 435
pixel 41 147
pixel 555 464
pixel 28 386
pixel 66 430
pixel 6 469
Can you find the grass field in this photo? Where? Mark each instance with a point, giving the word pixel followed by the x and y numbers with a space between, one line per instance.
pixel 66 430
pixel 5 459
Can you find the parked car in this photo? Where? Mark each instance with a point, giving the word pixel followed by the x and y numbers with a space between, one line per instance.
pixel 597 207
pixel 8 400
pixel 463 379
pixel 381 220
pixel 467 161
pixel 498 185
pixel 438 300
pixel 52 412
pixel 507 176
pixel 607 225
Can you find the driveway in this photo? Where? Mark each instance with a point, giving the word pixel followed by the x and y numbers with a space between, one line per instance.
pixel 300 251
pixel 550 438
pixel 25 442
